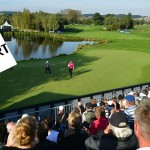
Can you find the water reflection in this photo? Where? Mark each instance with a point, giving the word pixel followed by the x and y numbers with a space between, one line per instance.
pixel 25 48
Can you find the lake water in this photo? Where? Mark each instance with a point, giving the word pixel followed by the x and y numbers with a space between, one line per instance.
pixel 25 48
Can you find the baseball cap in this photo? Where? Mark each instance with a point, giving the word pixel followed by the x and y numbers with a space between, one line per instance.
pixel 130 98
pixel 119 120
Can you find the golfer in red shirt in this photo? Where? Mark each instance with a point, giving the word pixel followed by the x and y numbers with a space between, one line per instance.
pixel 70 67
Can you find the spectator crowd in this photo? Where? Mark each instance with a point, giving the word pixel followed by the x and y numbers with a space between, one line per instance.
pixel 119 123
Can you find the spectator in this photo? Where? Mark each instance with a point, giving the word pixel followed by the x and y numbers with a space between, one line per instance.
pixel 73 138
pixel 136 95
pixel 77 110
pixel 42 132
pixel 100 123
pixel 89 114
pixel 142 124
pixel 94 103
pixel 61 120
pixel 81 107
pixel 120 98
pixel 130 110
pixel 117 135
pixel 23 135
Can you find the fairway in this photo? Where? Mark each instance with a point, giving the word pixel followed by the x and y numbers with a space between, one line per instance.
pixel 124 61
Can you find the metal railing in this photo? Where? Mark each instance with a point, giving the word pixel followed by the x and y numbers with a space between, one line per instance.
pixel 51 108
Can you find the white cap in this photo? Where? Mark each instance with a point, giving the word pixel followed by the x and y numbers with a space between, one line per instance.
pixel 61 108
pixel 47 62
pixel 131 93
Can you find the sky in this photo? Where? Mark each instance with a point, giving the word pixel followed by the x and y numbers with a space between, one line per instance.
pixel 136 7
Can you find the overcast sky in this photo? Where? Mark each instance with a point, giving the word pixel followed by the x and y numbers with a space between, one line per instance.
pixel 136 7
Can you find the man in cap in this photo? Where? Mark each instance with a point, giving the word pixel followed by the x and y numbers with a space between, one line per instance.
pixel 61 119
pixel 130 110
pixel 117 135
pixel 47 68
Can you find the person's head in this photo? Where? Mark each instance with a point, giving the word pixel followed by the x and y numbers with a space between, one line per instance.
pixel 118 123
pixel 76 110
pixel 98 111
pixel 74 120
pixel 61 109
pixel 25 131
pixel 105 102
pixel 120 97
pixel 79 103
pixel 114 99
pixel 145 91
pixel 88 106
pixel 46 62
pixel 142 123
pixel 35 117
pixel 136 94
pixel 130 100
pixel 93 101
pixel 10 126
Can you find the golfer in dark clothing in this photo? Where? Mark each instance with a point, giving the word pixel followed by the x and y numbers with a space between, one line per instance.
pixel 70 67
pixel 47 68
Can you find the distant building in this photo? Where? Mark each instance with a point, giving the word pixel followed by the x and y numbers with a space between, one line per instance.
pixel 6 27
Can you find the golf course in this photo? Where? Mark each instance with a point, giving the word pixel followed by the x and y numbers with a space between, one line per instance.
pixel 123 61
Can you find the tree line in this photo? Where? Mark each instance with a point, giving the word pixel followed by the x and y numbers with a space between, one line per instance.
pixel 45 22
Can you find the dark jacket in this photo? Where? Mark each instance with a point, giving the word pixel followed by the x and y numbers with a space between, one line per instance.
pixel 110 142
pixel 73 140
pixel 46 145
pixel 15 148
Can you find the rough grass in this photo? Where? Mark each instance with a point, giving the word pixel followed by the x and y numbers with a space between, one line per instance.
pixel 125 61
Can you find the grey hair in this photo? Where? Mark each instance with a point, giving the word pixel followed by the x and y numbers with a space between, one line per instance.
pixel 142 117
pixel 121 132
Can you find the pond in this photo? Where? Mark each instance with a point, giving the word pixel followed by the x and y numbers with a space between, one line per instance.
pixel 25 48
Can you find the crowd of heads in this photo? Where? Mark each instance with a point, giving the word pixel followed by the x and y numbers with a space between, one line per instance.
pixel 121 119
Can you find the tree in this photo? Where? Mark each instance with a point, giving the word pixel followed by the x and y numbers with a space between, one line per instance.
pixel 26 19
pixel 126 22
pixel 111 22
pixel 53 22
pixel 98 19
pixel 73 16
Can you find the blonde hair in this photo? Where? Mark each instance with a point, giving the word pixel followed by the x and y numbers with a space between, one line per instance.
pixel 25 131
pixel 98 111
pixel 74 119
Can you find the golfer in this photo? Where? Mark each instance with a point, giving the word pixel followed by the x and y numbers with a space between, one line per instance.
pixel 47 68
pixel 70 67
